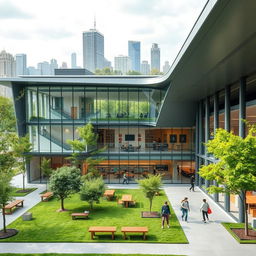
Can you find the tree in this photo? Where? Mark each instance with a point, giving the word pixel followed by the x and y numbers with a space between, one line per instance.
pixel 46 169
pixel 133 73
pixel 92 190
pixel 106 71
pixel 64 182
pixel 155 71
pixel 151 186
pixel 7 165
pixel 8 120
pixel 236 168
pixel 87 138
pixel 22 149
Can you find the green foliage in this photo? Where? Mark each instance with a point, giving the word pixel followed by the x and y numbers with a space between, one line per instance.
pixel 236 168
pixel 64 182
pixel 46 169
pixel 106 71
pixel 133 73
pixel 155 71
pixel 150 186
pixel 22 149
pixel 92 190
pixel 7 120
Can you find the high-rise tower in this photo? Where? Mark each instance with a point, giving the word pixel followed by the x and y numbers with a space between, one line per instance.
pixel 155 57
pixel 134 54
pixel 21 64
pixel 73 60
pixel 93 49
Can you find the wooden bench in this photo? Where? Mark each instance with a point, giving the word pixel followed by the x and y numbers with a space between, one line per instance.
pixel 79 215
pixel 46 196
pixel 93 230
pixel 12 205
pixel 142 230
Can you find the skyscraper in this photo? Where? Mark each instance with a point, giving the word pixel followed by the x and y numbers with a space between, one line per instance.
pixel 145 68
pixel 53 65
pixel 44 68
pixel 123 64
pixel 73 60
pixel 166 67
pixel 21 64
pixel 134 54
pixel 7 65
pixel 93 50
pixel 155 57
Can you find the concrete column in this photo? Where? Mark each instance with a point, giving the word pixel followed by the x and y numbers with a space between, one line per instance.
pixel 227 127
pixel 216 125
pixel 207 130
pixel 242 116
pixel 197 147
pixel 200 137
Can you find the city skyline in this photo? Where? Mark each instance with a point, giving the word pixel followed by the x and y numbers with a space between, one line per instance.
pixel 24 28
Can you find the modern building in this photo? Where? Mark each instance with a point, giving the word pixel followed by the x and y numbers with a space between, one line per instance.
pixel 21 64
pixel 7 65
pixel 93 50
pixel 145 68
pixel 73 60
pixel 166 67
pixel 53 66
pixel 32 71
pixel 134 54
pixel 123 64
pixel 44 68
pixel 149 123
pixel 155 57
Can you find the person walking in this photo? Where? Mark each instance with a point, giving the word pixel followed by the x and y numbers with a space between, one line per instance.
pixel 165 211
pixel 204 208
pixel 192 183
pixel 125 178
pixel 184 209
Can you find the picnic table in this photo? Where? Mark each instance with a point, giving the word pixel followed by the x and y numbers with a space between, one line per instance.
pixel 109 194
pixel 142 230
pixel 12 205
pixel 126 200
pixel 95 229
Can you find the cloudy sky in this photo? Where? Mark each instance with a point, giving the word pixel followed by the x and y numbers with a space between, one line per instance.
pixel 46 29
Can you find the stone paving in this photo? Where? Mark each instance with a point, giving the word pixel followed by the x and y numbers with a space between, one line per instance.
pixel 209 239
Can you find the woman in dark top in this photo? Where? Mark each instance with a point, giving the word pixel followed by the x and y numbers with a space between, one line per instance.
pixel 165 211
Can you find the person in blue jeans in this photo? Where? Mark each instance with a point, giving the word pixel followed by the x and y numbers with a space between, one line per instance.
pixel 165 212
pixel 184 209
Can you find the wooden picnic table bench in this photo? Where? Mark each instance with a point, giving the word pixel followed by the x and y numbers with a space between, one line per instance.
pixel 95 229
pixel 12 205
pixel 109 194
pixel 79 215
pixel 127 199
pixel 46 196
pixel 142 230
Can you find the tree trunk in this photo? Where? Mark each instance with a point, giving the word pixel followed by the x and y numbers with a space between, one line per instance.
pixel 150 204
pixel 91 205
pixel 4 221
pixel 46 185
pixel 245 215
pixel 62 204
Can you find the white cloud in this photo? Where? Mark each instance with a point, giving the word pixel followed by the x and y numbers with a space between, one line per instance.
pixel 53 29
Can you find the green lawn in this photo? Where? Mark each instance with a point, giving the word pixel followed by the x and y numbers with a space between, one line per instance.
pixel 57 254
pixel 28 191
pixel 228 227
pixel 51 226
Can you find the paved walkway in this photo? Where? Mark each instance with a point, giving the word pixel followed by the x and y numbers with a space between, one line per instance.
pixel 209 239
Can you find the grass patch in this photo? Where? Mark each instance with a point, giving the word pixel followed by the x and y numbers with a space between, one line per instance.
pixel 17 193
pixel 72 254
pixel 228 227
pixel 51 226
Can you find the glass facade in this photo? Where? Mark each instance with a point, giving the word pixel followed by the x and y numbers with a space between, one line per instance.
pixel 125 121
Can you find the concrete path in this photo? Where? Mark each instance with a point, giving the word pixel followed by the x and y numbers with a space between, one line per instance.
pixel 209 239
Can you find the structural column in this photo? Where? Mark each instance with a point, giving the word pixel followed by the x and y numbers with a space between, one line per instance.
pixel 197 147
pixel 227 128
pixel 207 131
pixel 200 137
pixel 242 116
pixel 216 125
